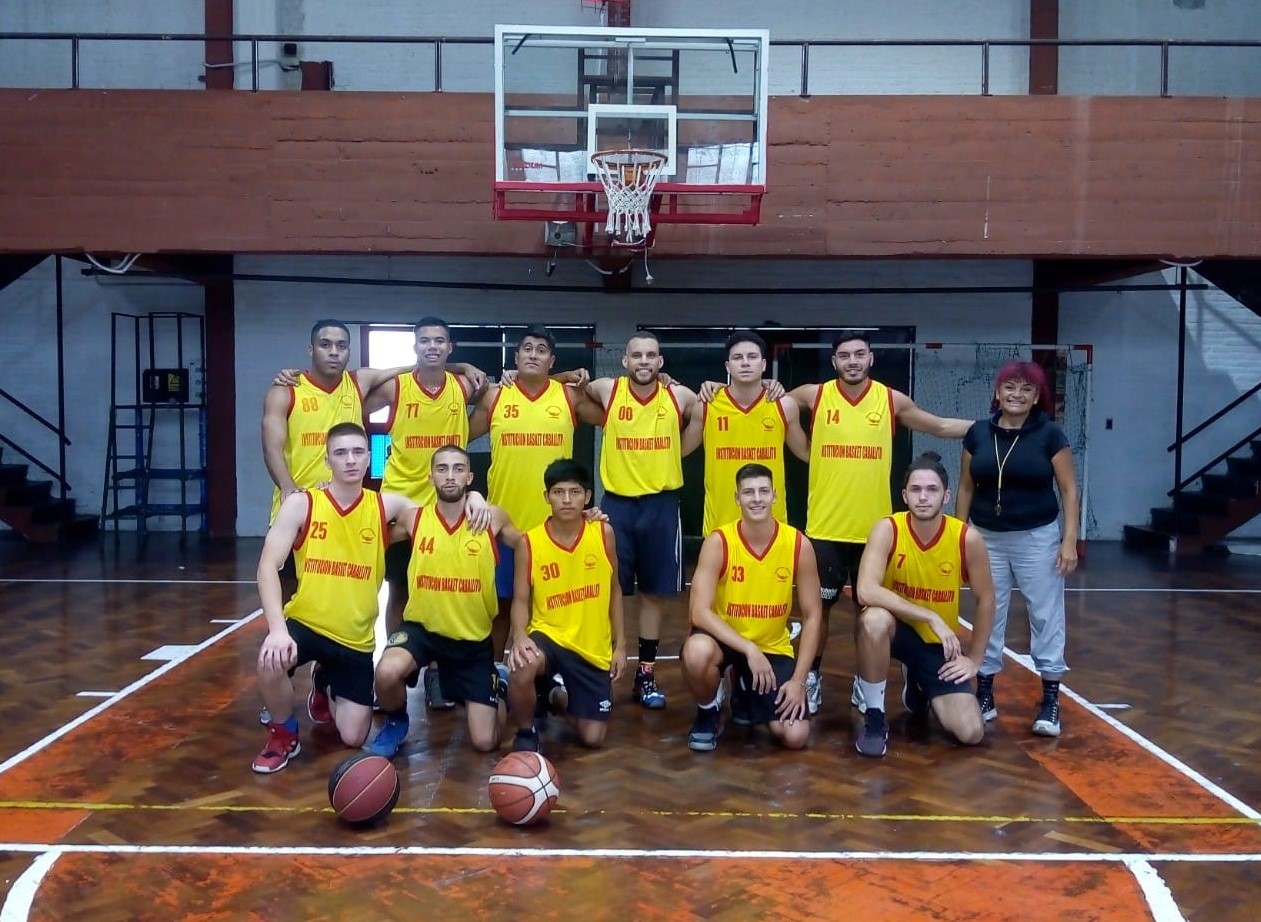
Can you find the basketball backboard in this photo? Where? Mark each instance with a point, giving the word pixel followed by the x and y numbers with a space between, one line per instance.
pixel 563 93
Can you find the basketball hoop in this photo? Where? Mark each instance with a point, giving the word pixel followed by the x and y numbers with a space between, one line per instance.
pixel 628 177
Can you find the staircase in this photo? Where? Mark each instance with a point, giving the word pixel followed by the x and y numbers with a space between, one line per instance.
pixel 1200 518
pixel 29 508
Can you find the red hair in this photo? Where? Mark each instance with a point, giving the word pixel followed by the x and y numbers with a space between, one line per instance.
pixel 1030 373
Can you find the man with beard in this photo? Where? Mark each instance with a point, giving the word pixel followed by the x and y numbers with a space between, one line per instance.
pixel 909 580
pixel 449 612
pixel 641 468
pixel 853 419
pixel 302 406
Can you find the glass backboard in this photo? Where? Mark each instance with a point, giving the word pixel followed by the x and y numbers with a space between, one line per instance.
pixel 697 96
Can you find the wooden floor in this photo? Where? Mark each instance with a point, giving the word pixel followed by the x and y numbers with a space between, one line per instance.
pixel 130 723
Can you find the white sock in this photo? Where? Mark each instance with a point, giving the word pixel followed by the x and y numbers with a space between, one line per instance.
pixel 873 693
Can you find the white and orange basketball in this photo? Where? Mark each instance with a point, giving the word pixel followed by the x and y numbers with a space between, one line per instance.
pixel 523 788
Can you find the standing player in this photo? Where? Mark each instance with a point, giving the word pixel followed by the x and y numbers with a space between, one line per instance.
pixel 738 426
pixel 566 611
pixel 338 539
pixel 428 409
pixel 641 468
pixel 449 612
pixel 298 415
pixel 853 419
pixel 909 580
pixel 531 424
pixel 742 594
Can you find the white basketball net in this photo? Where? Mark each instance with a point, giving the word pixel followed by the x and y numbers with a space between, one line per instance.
pixel 628 177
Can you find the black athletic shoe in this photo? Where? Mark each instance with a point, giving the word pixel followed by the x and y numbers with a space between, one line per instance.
pixel 873 739
pixel 913 697
pixel 1047 723
pixel 527 741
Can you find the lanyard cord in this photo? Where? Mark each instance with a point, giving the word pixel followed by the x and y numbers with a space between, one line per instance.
pixel 1002 462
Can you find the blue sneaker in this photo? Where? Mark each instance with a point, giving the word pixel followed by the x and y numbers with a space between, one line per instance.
pixel 390 738
pixel 646 691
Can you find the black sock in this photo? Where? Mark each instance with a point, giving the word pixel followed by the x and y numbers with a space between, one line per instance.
pixel 398 714
pixel 816 663
pixel 1050 688
pixel 648 651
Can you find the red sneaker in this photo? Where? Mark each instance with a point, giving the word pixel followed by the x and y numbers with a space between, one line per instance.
pixel 317 701
pixel 281 746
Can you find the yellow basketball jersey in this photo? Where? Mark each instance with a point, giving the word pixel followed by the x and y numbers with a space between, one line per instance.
pixel 340 558
pixel 931 574
pixel 312 412
pixel 527 433
pixel 421 422
pixel 755 594
pixel 736 436
pixel 451 577
pixel 851 453
pixel 640 452
pixel 571 591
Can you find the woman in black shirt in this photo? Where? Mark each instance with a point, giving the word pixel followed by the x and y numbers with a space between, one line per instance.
pixel 1012 463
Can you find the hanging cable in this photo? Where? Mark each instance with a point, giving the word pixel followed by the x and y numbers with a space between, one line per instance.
pixel 120 268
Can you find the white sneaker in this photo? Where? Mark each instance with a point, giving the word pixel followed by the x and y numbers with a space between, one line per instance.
pixel 856 697
pixel 814 691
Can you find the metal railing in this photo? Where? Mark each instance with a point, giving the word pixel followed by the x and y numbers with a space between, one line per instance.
pixel 805 47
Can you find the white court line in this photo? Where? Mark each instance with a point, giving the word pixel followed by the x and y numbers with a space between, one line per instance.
pixel 650 853
pixel 21 898
pixel 1177 764
pixel 1159 899
pixel 119 696
pixel 95 694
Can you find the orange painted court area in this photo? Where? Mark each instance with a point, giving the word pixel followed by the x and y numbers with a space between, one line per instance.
pixel 133 775
pixel 219 887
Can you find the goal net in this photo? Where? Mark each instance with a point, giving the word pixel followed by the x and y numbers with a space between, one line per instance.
pixel 957 379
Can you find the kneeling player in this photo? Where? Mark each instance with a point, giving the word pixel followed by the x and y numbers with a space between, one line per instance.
pixel 909 579
pixel 742 594
pixel 566 611
pixel 450 608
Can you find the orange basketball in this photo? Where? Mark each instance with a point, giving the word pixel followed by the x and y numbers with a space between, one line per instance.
pixel 363 789
pixel 523 788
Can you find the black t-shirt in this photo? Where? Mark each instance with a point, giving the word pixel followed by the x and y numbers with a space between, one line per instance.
pixel 1028 479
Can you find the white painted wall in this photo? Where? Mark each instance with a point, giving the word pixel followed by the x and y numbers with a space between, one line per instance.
pixel 1136 353
pixel 140 65
pixel 1084 71
pixel 28 367
pixel 1136 71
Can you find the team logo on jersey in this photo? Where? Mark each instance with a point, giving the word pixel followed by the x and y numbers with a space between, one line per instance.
pixel 783 574
pixel 945 569
pixel 553 412
pixel 454 408
pixel 589 561
pixel 768 424
pixel 348 402
pixel 874 418
pixel 367 535
pixel 661 413
pixel 472 548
